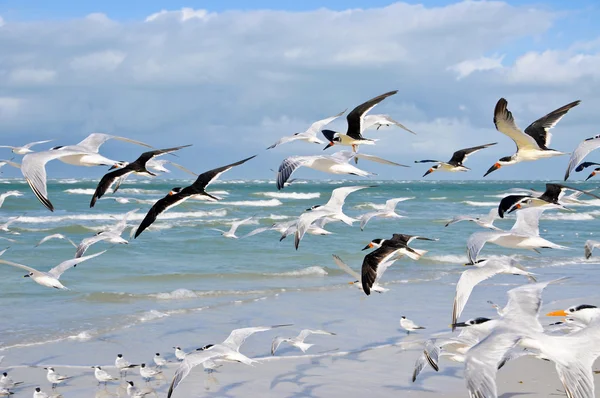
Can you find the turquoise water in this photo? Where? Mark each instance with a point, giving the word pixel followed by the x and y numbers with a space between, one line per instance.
pixel 180 279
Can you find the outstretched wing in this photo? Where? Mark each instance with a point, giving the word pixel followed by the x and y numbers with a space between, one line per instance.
pixel 206 178
pixel 107 181
pixel 159 207
pixel 65 265
pixel 287 168
pixel 505 123
pixel 356 116
pixel 237 337
pixel 540 129
pixel 94 141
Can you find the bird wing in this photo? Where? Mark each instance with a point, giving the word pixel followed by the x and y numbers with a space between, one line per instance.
pixel 477 240
pixel 94 141
pixel 107 181
pixel 364 219
pixel 583 165
pixel 307 332
pixel 371 120
pixel 120 226
pixel 288 167
pixel 356 117
pixel 146 156
pixel 503 119
pixel 87 242
pixel 339 195
pixel 192 360
pixel 159 207
pixel 461 218
pixel 377 159
pixel 25 267
pixel 346 268
pixel 428 161
pixel 461 155
pixel 304 222
pixel 390 204
pixel 319 124
pixel 590 245
pixel 57 271
pixel 206 178
pixel 256 231
pixel 528 221
pixel 285 140
pixel 237 337
pixel 276 343
pixel 27 146
pixel 236 224
pixel 180 167
pixel 369 270
pixel 540 129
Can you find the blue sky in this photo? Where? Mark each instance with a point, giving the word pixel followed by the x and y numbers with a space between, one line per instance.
pixel 231 79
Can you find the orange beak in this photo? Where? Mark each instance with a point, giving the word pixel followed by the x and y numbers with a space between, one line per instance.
pixel 495 167
pixel 557 313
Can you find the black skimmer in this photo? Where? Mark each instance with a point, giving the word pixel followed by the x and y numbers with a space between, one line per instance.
pixel 310 135
pixel 456 162
pixel 180 194
pixel 136 167
pixel 532 144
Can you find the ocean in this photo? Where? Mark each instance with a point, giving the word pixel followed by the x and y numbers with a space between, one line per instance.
pixel 182 284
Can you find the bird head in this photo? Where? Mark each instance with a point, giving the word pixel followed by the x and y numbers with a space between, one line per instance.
pixel 332 136
pixel 574 310
pixel 119 165
pixel 432 169
pixel 471 322
pixel 374 244
pixel 175 191
pixel 501 162
pixel 119 355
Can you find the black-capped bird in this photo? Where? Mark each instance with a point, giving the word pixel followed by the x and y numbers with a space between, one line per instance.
pixel 456 162
pixel 178 194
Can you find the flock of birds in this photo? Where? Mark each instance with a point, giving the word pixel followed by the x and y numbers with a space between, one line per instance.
pixel 484 345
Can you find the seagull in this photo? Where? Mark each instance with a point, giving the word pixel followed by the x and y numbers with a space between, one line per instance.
pixel 338 163
pixel 583 149
pixel 148 373
pixel 38 393
pixel 525 234
pixel 51 278
pixel 355 118
pixel 483 221
pixel 532 144
pixel 456 161
pixel 159 165
pixel 179 353
pixel 55 236
pixel 483 269
pixel 228 350
pixel 332 209
pixel 137 167
pixel 297 341
pixel 33 166
pixel 7 382
pixel 376 287
pixel 310 135
pixel 385 250
pixel 7 195
pixel 102 376
pixel 381 120
pixel 22 150
pixel 110 235
pixel 160 361
pixel 552 196
pixel 234 226
pixel 122 365
pixel 409 325
pixel 178 195
pixel 55 378
pixel 387 212
pixel 589 247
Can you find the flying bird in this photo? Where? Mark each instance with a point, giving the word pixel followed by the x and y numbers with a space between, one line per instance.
pixel 456 162
pixel 25 149
pixel 483 221
pixel 234 226
pixel 375 287
pixel 310 135
pixel 8 195
pixel 389 211
pixel 110 235
pixel 583 149
pixel 297 341
pixel 56 236
pixel 532 144
pixel 378 121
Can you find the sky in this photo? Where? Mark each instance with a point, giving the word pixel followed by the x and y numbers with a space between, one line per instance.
pixel 231 78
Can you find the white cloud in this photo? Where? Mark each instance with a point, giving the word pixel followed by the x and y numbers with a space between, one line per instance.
pixel 32 76
pixel 183 15
pixel 554 67
pixel 9 107
pixel 465 68
pixel 1 21
pixel 107 60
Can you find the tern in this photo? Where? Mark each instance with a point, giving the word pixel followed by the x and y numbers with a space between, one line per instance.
pixel 532 144
pixel 316 228
pixel 55 236
pixel 7 195
pixel 297 341
pixel 456 162
pixel 179 353
pixel 159 166
pixel 483 269
pixel 103 376
pixel 25 149
pixel 355 119
pixel 55 378
pixel 310 135
pixel 134 392
pixel 338 163
pixel 524 234
pixel 482 221
pixel 4 227
pixel 159 361
pixel 589 247
pixel 85 153
pixel 228 350
pixel 51 278
pixel 378 121
pixel 148 373
pixel 110 235
pixel 179 195
pixel 375 287
pixel 409 325
pixel 332 209
pixel 582 313
pixel 583 149
pixel 125 169
pixel 38 393
pixel 7 382
pixel 387 212
pixel 122 365
pixel 234 226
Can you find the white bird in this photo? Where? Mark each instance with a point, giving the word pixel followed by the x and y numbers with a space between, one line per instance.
pixel 51 278
pixel 387 212
pixel 297 341
pixel 357 278
pixel 524 234
pixel 409 325
pixel 589 247
pixel 160 361
pixel 532 144
pixel 583 313
pixel 378 121
pixel 483 221
pixel 332 209
pixel 84 153
pixel 310 135
pixel 4 227
pixel 102 375
pixel 56 236
pixel 148 373
pixel 7 382
pixel 179 353
pixel 234 226
pixel 483 269
pixel 316 228
pixel 22 150
pixel 38 393
pixel 159 165
pixel 280 227
pixel 122 364
pixel 7 195
pixel 134 392
pixel 583 149
pixel 55 378
pixel 110 235
pixel 228 350
pixel 338 163
pixel 122 200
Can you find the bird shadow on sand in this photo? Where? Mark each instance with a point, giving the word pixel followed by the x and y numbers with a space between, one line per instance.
pixel 226 391
pixel 517 394
pixel 300 377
